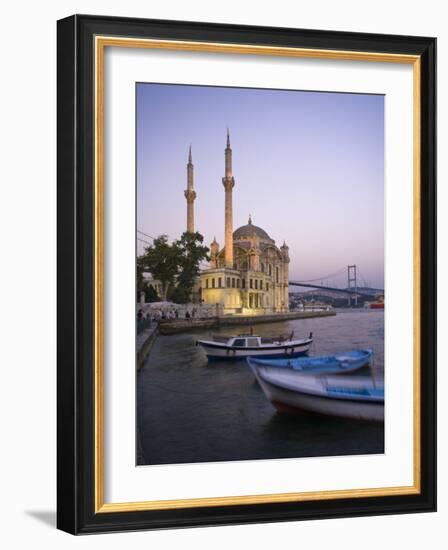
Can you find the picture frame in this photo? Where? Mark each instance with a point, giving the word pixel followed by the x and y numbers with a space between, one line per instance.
pixel 82 41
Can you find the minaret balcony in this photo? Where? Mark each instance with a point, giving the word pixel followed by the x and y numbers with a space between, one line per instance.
pixel 229 183
pixel 190 195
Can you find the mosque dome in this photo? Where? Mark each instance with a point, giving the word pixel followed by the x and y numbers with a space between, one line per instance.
pixel 250 231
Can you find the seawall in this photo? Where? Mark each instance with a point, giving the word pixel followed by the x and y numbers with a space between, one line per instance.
pixel 175 326
pixel 144 343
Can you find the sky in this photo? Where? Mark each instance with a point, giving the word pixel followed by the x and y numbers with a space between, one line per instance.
pixel 308 167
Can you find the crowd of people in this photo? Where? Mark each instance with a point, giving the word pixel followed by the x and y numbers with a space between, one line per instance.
pixel 167 314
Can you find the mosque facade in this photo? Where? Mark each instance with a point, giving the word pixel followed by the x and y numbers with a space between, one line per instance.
pixel 249 275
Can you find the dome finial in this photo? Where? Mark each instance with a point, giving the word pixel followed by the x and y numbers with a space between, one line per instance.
pixel 250 219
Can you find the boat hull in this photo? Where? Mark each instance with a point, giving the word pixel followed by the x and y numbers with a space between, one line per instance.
pixel 293 400
pixel 218 351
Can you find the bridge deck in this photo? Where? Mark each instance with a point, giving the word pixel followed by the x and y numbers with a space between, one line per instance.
pixel 342 290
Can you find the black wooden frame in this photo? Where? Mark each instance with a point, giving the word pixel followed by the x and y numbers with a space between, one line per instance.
pixel 76 274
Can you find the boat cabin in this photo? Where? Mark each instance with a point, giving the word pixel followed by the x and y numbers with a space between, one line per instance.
pixel 245 341
pixel 248 340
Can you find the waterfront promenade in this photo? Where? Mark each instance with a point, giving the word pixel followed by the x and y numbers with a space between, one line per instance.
pixel 176 326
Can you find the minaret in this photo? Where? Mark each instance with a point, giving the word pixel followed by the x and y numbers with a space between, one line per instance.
pixel 228 182
pixel 285 252
pixel 214 251
pixel 190 195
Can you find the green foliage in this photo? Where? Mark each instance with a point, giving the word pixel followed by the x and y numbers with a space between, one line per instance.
pixel 173 263
pixel 143 286
pixel 161 259
pixel 179 295
pixel 140 281
pixel 192 253
pixel 151 295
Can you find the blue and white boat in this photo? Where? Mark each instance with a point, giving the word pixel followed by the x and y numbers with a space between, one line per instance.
pixel 326 364
pixel 348 396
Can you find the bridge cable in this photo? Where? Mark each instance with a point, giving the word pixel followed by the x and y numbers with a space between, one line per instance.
pixel 323 278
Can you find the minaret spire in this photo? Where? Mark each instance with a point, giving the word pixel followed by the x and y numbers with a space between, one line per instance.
pixel 229 182
pixel 190 194
pixel 228 156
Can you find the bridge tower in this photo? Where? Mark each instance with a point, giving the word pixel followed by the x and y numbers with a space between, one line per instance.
pixel 352 284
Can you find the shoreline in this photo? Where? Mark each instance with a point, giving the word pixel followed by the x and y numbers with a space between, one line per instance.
pixel 176 326
pixel 144 342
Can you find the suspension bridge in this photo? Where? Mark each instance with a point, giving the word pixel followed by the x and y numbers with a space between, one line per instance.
pixel 352 290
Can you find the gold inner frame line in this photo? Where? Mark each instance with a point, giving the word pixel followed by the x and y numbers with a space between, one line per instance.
pixel 101 42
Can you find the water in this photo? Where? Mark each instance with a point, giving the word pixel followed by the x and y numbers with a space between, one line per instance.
pixel 189 410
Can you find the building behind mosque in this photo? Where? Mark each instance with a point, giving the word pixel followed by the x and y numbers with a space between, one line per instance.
pixel 249 275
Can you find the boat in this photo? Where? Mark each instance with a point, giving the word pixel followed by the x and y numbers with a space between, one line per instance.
pixel 379 304
pixel 348 396
pixel 325 364
pixel 251 345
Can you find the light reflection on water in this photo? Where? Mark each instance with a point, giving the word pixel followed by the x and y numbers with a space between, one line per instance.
pixel 190 410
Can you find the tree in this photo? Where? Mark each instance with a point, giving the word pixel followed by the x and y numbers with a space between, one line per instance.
pixel 173 263
pixel 162 260
pixel 191 252
pixel 141 283
pixel 151 295
pixel 179 295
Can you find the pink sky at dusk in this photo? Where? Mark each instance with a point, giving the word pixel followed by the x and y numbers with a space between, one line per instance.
pixel 308 167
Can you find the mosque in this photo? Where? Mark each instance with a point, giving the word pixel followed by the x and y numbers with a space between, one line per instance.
pixel 249 275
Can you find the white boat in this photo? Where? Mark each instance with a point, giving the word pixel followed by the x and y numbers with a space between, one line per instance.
pixel 348 396
pixel 250 345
